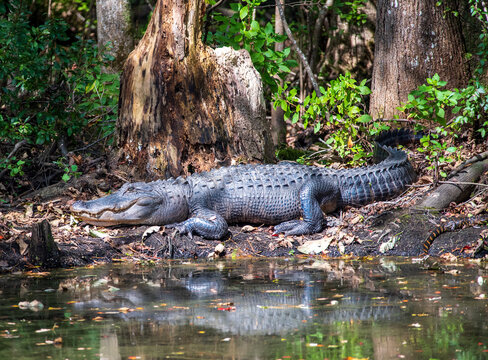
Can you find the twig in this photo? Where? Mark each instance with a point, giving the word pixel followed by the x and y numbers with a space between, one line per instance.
pixel 298 50
pixel 150 6
pixel 93 143
pixel 399 120
pixel 476 158
pixel 462 183
pixel 324 9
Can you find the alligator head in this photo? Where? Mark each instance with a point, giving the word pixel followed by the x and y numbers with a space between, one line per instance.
pixel 155 203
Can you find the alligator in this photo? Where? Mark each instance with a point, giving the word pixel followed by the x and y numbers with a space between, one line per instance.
pixel 288 195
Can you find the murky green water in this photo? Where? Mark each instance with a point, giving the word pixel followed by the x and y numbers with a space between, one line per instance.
pixel 248 309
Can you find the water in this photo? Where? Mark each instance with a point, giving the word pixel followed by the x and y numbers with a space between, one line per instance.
pixel 248 309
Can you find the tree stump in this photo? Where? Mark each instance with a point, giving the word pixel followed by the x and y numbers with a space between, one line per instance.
pixel 185 107
pixel 42 249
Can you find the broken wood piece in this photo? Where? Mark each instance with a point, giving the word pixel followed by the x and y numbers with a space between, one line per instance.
pixel 42 249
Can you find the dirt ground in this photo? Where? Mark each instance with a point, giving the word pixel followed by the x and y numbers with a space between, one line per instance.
pixel 392 228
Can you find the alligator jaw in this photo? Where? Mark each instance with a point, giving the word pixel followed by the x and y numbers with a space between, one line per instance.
pixel 105 217
pixel 103 212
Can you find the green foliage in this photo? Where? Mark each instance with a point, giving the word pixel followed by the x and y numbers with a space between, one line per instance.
pixel 291 154
pixel 51 86
pixel 69 170
pixel 350 11
pixel 339 109
pixel 242 31
pixel 432 101
pixel 15 166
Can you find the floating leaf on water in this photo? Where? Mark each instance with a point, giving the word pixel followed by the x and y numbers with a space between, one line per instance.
pixel 100 282
pixel 43 330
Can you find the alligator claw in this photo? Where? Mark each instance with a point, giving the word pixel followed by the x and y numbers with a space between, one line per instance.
pixel 180 228
pixel 297 227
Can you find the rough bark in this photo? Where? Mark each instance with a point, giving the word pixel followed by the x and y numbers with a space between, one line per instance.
pixel 113 24
pixel 414 40
pixel 42 248
pixel 184 106
pixel 278 125
pixel 445 194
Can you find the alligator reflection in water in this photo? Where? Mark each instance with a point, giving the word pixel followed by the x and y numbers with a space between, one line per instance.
pixel 313 309
pixel 209 299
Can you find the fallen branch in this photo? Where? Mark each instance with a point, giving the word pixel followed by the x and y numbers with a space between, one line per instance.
pixel 476 158
pixel 457 190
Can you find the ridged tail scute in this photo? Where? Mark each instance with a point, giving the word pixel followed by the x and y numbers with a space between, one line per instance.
pixel 401 136
pixel 391 139
pixel 379 182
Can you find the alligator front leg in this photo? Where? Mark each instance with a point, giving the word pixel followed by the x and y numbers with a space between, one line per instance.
pixel 312 196
pixel 206 223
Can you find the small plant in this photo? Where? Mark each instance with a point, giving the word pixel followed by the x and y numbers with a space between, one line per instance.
pixel 432 101
pixel 15 167
pixel 69 170
pixel 339 110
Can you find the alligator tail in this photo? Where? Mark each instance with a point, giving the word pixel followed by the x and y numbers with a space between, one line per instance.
pixel 391 139
pixel 401 136
pixel 379 182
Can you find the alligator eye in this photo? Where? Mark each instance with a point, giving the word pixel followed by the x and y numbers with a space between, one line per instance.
pixel 147 200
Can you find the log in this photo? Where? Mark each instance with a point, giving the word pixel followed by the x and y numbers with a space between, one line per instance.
pixel 445 194
pixel 42 249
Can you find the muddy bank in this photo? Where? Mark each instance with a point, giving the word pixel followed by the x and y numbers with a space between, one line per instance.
pixel 81 244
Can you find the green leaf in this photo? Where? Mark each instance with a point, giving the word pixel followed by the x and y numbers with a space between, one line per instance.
pixel 451 149
pixel 365 118
pixel 364 90
pixel 317 126
pixel 440 113
pixel 243 12
pixel 294 120
pixel 65 177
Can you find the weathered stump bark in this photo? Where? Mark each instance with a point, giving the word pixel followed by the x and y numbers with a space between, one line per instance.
pixel 414 40
pixel 181 108
pixel 42 249
pixel 445 194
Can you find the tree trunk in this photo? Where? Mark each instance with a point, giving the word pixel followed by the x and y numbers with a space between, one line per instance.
pixel 278 125
pixel 184 106
pixel 113 24
pixel 414 40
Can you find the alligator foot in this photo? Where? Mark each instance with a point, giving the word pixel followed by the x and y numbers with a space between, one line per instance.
pixel 181 228
pixel 211 226
pixel 297 227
